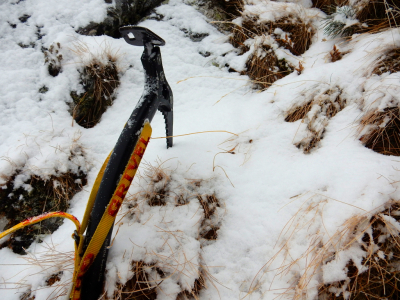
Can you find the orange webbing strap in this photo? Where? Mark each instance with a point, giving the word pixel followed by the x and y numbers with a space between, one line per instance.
pixel 110 213
pixel 40 218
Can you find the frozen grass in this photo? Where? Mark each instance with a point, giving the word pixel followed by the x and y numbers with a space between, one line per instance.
pixel 379 128
pixel 56 266
pixel 263 66
pixel 326 5
pixel 383 136
pixel 160 190
pixel 315 115
pixel 99 78
pixel 377 276
pixel 378 14
pixel 389 63
pixel 365 251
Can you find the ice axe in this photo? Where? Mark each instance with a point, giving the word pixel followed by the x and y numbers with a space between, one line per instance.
pixel 116 175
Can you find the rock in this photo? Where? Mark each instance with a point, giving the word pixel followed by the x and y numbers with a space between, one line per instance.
pixel 125 12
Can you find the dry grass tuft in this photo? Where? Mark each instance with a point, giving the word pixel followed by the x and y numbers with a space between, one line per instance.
pixel 159 180
pixel 389 63
pixel 159 185
pixel 382 131
pixel 210 224
pixel 99 78
pixel 43 195
pixel 378 14
pixel 231 8
pixel 199 284
pixel 54 264
pixel 379 277
pixel 27 296
pixel 263 66
pixel 326 5
pixel 297 34
pixel 264 70
pixel 143 284
pixel 366 247
pixel 379 127
pixel 316 114
pixel 298 112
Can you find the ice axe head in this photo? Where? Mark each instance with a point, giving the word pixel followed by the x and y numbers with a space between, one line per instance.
pixel 140 36
pixel 158 93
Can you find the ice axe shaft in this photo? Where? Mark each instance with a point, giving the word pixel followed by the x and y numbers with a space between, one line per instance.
pixel 157 95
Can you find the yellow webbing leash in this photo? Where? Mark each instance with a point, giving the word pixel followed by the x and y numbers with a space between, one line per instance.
pixel 83 261
pixel 40 218
pixel 108 218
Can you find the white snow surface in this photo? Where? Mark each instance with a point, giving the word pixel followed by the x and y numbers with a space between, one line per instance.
pixel 265 188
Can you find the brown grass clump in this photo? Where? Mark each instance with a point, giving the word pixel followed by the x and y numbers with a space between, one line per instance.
pixel 389 63
pixel 208 227
pixel 99 79
pixel 383 134
pixel 53 263
pixel 27 296
pixel 298 112
pixel 265 70
pixel 366 246
pixel 51 194
pixel 297 39
pixel 232 7
pixel 316 114
pixel 326 5
pixel 174 192
pixel 159 180
pixel 380 128
pixel 379 14
pixel 263 66
pixel 199 284
pixel 142 286
pixel 381 277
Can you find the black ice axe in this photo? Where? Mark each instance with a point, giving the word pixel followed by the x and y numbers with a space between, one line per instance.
pixel 157 95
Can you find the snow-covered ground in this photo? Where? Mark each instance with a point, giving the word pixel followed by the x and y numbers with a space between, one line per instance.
pixel 267 187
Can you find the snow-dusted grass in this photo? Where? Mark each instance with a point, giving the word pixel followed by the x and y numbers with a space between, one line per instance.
pixel 278 203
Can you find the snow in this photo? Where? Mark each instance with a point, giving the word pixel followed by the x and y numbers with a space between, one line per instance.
pixel 276 201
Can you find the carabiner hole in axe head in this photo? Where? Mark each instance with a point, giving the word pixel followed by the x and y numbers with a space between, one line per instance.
pixel 140 36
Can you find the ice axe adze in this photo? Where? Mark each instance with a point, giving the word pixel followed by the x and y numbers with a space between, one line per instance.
pixel 157 95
